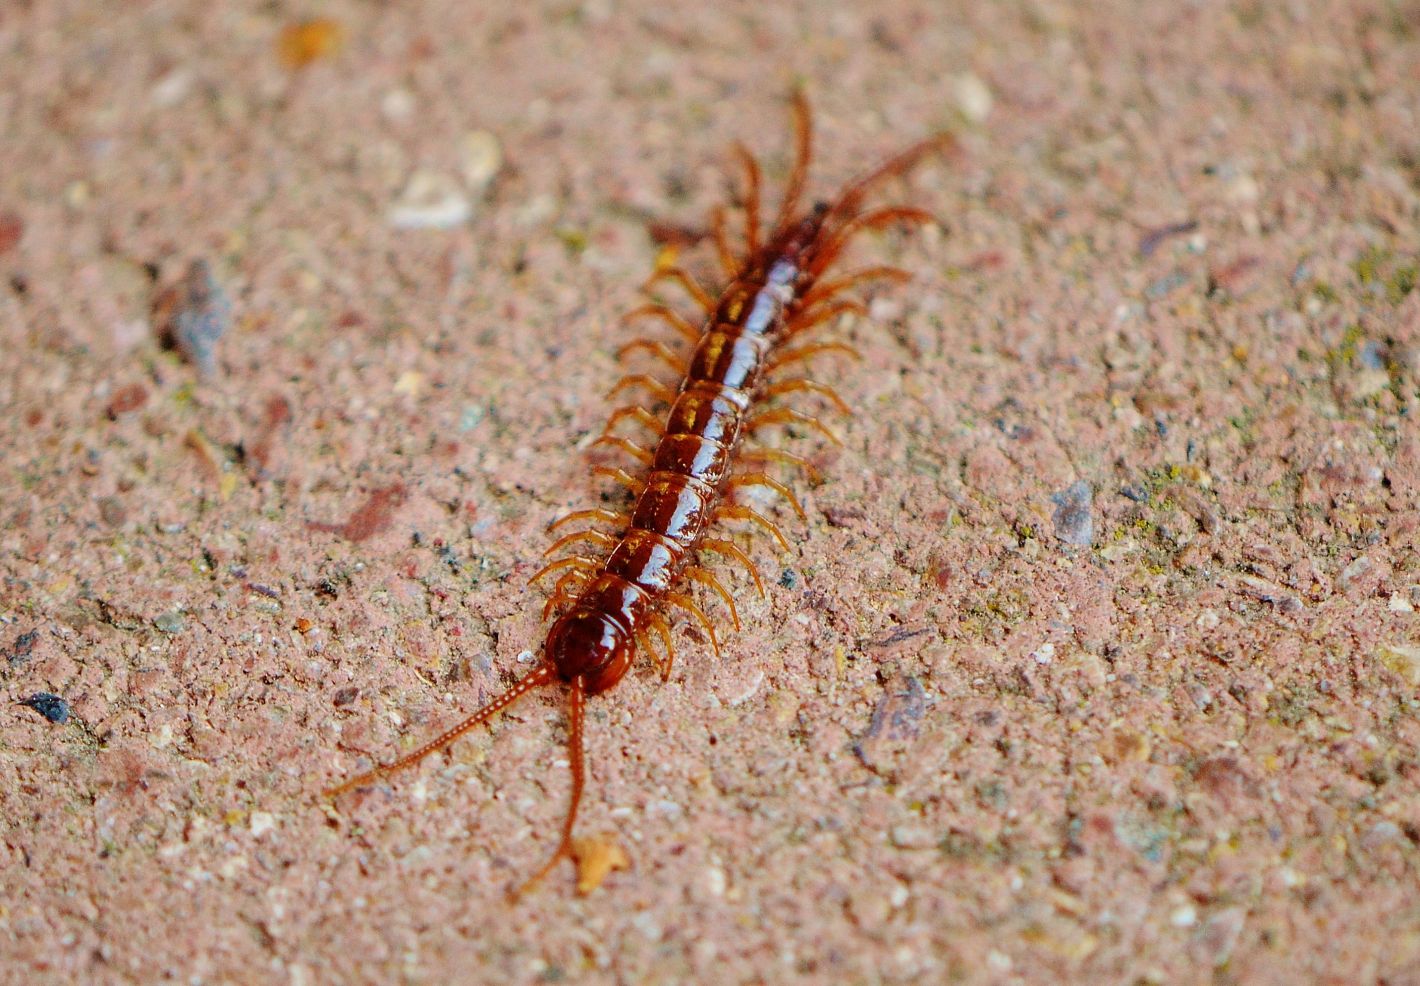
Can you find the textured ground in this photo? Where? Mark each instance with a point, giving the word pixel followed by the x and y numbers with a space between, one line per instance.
pixel 1097 659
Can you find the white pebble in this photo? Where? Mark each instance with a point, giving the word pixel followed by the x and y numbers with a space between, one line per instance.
pixel 171 89
pixel 664 809
pixel 748 692
pixel 481 156
pixel 430 201
pixel 973 97
pixel 397 105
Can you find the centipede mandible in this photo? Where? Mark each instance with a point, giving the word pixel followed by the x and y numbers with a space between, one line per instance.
pixel 742 359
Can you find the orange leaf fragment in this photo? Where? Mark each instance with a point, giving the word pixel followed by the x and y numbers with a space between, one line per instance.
pixel 596 859
pixel 309 41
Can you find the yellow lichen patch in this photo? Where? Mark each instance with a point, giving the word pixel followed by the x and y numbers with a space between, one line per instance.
pixel 309 41
pixel 596 858
pixel 1404 660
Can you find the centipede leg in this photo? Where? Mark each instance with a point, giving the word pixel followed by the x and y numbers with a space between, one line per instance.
pixel 852 196
pixel 575 561
pixel 766 455
pixel 808 318
pixel 636 411
pixel 686 603
pixel 621 476
pixel 665 314
pixel 656 388
pixel 785 415
pixel 769 482
pixel 576 711
pixel 729 549
pixel 707 578
pixel 802 353
pixel 594 513
pixel 752 182
pixel 738 511
pixel 664 632
pixel 876 219
pixel 663 664
pixel 658 349
pixel 803 385
pixel 685 280
pixel 560 592
pixel 627 445
pixel 599 538
pixel 827 289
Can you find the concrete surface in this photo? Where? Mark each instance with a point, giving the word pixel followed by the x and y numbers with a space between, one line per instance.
pixel 1097 660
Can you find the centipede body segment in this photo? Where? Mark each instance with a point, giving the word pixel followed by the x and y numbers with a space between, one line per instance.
pixel 613 604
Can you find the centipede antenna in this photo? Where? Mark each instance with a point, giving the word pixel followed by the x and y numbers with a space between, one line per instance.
pixel 541 675
pixel 577 705
pixel 848 201
pixel 803 151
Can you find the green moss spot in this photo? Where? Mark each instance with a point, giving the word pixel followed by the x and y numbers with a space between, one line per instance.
pixel 1400 284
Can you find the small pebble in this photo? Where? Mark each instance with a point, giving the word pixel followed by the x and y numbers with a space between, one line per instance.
pixel 12 228
pixel 261 823
pixel 127 399
pixel 913 837
pixel 1165 285
pixel 972 96
pixel 173 622
pixel 482 156
pixel 397 105
pixel 194 315
pixel 1372 355
pixel 171 88
pixel 1073 521
pixel 1218 937
pixel 1381 834
pixel 52 707
pixel 714 882
pixel 430 201
pixel 23 646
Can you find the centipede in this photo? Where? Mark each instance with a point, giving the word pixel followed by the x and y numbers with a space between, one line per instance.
pixel 743 359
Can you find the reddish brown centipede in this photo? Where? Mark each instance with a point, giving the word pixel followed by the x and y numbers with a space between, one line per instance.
pixel 774 296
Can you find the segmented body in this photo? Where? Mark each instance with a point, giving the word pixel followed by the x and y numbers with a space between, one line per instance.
pixel 775 294
pixel 690 468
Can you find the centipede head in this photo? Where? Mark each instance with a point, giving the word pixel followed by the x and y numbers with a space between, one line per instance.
pixel 590 645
